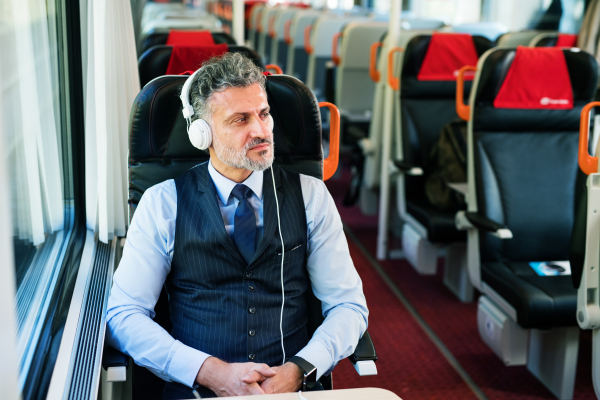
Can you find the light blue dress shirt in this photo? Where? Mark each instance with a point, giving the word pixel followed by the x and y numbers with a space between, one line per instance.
pixel 146 262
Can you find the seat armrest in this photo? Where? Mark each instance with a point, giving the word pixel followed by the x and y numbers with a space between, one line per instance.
pixel 407 168
pixel 365 350
pixel 112 357
pixel 364 356
pixel 465 220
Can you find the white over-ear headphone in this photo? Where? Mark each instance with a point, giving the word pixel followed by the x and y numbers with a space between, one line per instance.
pixel 199 131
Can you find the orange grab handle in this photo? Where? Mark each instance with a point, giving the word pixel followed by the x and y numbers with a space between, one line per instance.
pixel 334 53
pixel 463 110
pixel 587 163
pixel 373 73
pixel 272 27
pixel 392 80
pixel 330 164
pixel 286 32
pixel 307 47
pixel 275 67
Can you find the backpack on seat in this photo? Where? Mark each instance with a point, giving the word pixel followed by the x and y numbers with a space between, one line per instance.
pixel 447 164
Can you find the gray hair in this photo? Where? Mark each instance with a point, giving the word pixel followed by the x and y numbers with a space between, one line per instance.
pixel 218 74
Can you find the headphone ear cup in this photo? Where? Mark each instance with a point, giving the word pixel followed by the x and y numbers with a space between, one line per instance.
pixel 200 134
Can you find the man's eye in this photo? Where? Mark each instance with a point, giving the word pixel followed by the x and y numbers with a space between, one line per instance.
pixel 240 119
pixel 266 114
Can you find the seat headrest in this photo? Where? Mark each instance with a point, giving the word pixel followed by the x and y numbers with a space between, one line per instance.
pixel 566 40
pixel 528 86
pixel 156 60
pixel 445 55
pixel 189 38
pixel 521 87
pixel 190 58
pixel 158 130
pixel 438 56
pixel 431 62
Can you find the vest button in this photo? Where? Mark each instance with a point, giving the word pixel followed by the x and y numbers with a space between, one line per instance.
pixel 252 310
pixel 251 288
pixel 251 356
pixel 251 332
pixel 248 274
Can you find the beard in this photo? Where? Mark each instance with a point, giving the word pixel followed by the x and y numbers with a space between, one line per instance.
pixel 239 158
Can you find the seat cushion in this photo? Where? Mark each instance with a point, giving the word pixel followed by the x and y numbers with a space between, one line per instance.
pixel 540 301
pixel 439 224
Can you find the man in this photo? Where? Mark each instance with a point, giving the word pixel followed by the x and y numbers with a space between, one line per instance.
pixel 212 236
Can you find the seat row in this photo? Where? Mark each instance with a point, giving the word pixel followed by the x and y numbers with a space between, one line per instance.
pixel 517 154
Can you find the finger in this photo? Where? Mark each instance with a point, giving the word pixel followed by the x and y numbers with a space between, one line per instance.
pixel 264 370
pixel 254 388
pixel 252 377
pixel 268 386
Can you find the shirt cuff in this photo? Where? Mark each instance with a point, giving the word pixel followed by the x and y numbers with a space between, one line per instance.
pixel 185 363
pixel 319 356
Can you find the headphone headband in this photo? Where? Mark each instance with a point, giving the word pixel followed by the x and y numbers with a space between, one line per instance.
pixel 188 110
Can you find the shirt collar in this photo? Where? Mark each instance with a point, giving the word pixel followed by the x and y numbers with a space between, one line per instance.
pixel 225 185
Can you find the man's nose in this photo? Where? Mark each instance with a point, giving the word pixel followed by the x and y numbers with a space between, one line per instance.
pixel 261 128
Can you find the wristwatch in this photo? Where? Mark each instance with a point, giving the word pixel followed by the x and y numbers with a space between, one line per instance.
pixel 309 371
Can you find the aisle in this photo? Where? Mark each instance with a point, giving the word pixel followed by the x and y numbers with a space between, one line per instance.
pixel 453 322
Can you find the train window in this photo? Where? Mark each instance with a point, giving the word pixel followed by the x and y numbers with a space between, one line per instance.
pixel 37 152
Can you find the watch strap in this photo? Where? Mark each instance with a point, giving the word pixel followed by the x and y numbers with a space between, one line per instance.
pixel 309 370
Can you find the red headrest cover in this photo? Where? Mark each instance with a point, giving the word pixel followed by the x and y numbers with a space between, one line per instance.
pixel 446 54
pixel 190 38
pixel 566 40
pixel 184 58
pixel 538 78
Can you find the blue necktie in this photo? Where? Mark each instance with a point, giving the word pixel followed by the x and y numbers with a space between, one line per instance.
pixel 244 223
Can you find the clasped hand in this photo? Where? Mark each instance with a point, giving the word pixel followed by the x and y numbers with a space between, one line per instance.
pixel 238 379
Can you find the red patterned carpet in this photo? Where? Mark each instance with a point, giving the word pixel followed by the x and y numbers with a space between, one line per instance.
pixel 409 363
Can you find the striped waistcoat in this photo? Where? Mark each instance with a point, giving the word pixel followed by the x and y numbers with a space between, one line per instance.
pixel 223 306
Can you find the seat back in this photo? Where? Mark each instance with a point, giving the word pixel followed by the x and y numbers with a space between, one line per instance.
pixel 372 167
pixel 428 92
pixel 254 23
pixel 280 28
pixel 354 88
pixel 321 42
pixel 173 60
pixel 264 39
pixel 158 37
pixel 209 22
pixel 523 139
pixel 489 30
pixel 297 57
pixel 159 149
pixel 521 38
pixel 554 39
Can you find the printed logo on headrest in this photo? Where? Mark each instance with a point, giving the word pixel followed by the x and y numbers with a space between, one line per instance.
pixel 466 75
pixel 545 101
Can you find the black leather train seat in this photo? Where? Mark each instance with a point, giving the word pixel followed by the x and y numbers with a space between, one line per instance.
pixel 159 149
pixel 161 36
pixel 173 60
pixel 525 123
pixel 556 40
pixel 427 103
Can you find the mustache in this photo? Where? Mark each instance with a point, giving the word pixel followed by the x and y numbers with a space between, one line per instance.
pixel 256 142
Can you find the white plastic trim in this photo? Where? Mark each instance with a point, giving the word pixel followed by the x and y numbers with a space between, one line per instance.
pixel 63 360
pixel 116 374
pixel 588 308
pixel 365 368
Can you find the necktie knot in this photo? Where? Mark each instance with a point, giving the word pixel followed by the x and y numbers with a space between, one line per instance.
pixel 241 191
